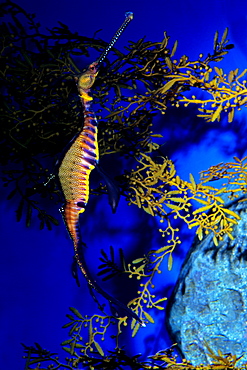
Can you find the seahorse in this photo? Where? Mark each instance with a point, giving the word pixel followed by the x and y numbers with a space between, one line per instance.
pixel 76 166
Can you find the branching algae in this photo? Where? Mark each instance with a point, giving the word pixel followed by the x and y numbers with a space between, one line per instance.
pixel 39 115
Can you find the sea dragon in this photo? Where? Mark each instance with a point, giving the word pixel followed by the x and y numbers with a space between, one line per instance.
pixel 76 166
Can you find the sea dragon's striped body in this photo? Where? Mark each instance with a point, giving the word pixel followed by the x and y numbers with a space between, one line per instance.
pixel 73 174
pixel 76 165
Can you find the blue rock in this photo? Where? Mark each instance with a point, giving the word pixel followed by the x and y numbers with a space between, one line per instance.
pixel 209 302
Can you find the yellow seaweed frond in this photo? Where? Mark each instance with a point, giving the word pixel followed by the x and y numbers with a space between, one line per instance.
pixel 151 183
pixel 96 325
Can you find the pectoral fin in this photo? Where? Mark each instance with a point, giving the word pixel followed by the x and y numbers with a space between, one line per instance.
pixel 112 189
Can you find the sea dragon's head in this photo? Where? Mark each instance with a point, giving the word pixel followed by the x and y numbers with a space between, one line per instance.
pixel 86 80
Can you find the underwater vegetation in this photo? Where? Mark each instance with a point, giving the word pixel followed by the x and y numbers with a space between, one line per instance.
pixel 40 113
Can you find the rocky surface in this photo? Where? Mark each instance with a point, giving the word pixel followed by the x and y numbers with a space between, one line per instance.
pixel 210 298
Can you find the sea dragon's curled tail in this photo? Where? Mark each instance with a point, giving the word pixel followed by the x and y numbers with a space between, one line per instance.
pixel 75 167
